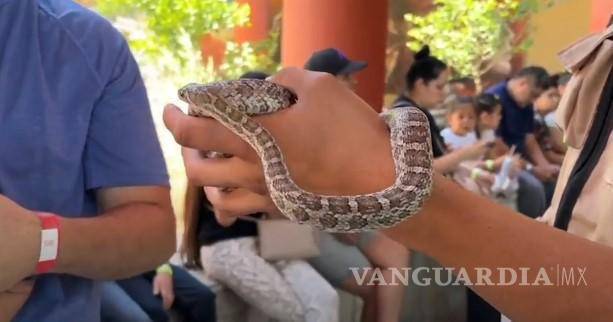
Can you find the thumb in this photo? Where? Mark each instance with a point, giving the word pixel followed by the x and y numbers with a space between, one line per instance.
pixel 156 288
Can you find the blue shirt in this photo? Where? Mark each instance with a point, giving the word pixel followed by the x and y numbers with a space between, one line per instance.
pixel 74 117
pixel 517 122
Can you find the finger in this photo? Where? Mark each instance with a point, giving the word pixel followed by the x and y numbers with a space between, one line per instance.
pixel 168 299
pixel 291 78
pixel 300 81
pixel 236 203
pixel 156 288
pixel 222 172
pixel 203 134
pixel 23 287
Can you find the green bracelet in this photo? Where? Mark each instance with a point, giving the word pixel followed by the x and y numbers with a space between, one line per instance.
pixel 475 173
pixel 164 269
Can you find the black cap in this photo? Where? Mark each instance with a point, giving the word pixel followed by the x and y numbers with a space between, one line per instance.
pixel 333 61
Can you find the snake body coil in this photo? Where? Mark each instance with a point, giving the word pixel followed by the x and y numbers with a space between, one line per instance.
pixel 232 103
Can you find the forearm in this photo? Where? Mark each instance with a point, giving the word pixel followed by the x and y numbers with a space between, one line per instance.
pixel 461 229
pixel 534 151
pixel 448 162
pixel 554 157
pixel 122 242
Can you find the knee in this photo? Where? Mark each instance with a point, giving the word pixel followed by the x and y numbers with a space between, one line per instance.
pixel 328 296
pixel 531 185
pixel 157 313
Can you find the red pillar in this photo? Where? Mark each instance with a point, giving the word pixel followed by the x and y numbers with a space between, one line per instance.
pixel 601 13
pixel 356 27
pixel 260 18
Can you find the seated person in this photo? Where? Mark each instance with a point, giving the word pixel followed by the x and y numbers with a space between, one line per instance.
pixel 149 297
pixel 284 290
pixel 544 107
pixel 517 96
pixel 461 119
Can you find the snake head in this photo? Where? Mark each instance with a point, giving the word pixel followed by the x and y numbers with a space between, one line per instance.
pixel 187 92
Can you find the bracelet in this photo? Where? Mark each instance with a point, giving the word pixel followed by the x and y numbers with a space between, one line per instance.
pixel 164 269
pixel 49 242
pixel 489 164
pixel 475 173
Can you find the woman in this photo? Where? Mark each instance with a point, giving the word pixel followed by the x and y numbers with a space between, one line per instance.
pixel 426 81
pixel 283 290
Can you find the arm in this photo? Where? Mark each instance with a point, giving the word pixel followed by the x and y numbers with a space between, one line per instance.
pixel 534 151
pixel 13 299
pixel 554 157
pixel 450 161
pixel 137 224
pixel 452 214
pixel 456 227
pixel 134 233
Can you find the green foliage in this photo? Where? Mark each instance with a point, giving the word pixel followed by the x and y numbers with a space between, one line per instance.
pixel 470 34
pixel 167 33
pixel 168 18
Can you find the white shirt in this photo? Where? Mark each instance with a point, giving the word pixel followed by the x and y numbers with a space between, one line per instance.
pixel 488 135
pixel 455 141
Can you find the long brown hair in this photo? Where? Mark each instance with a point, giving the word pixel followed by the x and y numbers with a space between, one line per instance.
pixel 194 200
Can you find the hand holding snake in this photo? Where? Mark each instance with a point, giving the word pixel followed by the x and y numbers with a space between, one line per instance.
pixel 320 206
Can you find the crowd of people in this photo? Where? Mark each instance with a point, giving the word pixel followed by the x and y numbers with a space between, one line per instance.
pixel 501 142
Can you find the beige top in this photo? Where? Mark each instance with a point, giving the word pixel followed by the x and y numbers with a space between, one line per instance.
pixel 590 60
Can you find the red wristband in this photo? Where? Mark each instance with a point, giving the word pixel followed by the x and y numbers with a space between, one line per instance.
pixel 49 242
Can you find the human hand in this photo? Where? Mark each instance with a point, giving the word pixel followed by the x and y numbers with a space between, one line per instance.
pixel 164 287
pixel 332 142
pixel 13 299
pixel 20 240
pixel 546 172
pixel 475 151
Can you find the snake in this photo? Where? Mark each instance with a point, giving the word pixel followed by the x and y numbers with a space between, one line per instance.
pixel 235 104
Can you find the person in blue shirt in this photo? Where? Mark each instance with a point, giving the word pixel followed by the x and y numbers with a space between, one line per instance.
pixel 517 96
pixel 77 141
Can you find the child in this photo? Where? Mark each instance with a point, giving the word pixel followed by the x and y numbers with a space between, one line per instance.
pixel 462 120
pixel 544 107
pixel 460 134
pixel 489 113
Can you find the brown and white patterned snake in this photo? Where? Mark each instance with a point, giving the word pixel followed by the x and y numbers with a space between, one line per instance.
pixel 232 103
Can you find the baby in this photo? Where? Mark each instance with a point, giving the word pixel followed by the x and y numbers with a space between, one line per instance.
pixel 462 120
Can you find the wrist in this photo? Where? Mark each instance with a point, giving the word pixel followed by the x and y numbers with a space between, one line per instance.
pixel 49 242
pixel 490 164
pixel 164 269
pixel 476 173
pixel 31 246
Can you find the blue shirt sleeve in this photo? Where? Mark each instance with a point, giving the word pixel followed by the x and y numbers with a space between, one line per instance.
pixel 122 147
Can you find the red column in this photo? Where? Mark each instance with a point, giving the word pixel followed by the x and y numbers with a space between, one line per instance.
pixel 601 13
pixel 260 19
pixel 356 27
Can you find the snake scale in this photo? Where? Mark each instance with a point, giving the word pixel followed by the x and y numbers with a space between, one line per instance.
pixel 233 103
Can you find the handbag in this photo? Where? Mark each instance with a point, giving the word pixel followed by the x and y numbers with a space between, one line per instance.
pixel 282 239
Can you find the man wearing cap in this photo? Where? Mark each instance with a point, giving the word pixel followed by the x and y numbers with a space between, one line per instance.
pixel 333 61
pixel 340 252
